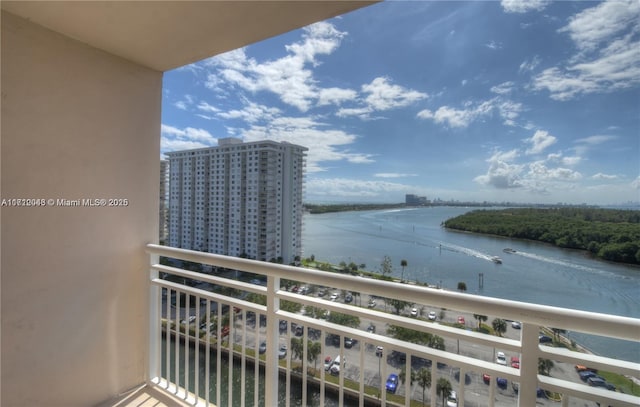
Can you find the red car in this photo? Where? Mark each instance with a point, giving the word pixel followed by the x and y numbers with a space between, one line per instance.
pixel 461 320
pixel 486 378
pixel 515 362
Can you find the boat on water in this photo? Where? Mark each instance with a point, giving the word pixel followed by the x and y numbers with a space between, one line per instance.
pixel 508 250
pixel 496 260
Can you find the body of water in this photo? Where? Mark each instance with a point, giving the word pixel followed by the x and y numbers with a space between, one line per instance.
pixel 535 273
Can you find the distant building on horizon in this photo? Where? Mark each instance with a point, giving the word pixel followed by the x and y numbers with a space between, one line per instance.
pixel 415 200
pixel 238 199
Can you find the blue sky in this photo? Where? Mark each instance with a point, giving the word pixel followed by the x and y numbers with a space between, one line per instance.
pixel 534 101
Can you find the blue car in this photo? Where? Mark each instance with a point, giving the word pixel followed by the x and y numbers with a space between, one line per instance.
pixel 392 383
pixel 586 375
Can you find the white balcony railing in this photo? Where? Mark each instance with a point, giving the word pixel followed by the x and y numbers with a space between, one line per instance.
pixel 181 354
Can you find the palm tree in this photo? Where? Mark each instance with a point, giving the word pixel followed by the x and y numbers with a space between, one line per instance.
pixel 403 377
pixel 480 319
pixel 544 366
pixel 403 264
pixel 557 332
pixel 499 325
pixel 313 350
pixel 424 380
pixel 443 387
pixel 462 286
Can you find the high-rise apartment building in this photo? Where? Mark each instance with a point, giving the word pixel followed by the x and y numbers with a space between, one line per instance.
pixel 238 199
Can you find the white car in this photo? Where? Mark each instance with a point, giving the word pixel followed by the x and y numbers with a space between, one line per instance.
pixel 516 325
pixel 452 400
pixel 414 312
pixel 501 359
pixel 334 297
pixel 432 316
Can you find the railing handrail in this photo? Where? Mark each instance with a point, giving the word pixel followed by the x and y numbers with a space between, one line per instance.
pixel 544 315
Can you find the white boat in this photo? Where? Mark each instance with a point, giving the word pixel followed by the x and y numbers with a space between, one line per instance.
pixel 508 250
pixel 496 260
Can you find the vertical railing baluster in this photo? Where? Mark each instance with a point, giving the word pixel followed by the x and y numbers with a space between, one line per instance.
pixel 176 352
pixel 196 361
pixel 323 339
pixel 256 365
pixel 230 341
pixel 167 336
pixel 528 365
pixel 187 340
pixel 361 381
pixel 243 365
pixel 207 356
pixel 219 354
pixel 305 368
pixel 155 333
pixel 271 366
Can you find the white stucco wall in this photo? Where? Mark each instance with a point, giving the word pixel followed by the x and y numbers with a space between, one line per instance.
pixel 76 123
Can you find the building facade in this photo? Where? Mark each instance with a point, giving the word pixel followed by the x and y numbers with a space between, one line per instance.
pixel 238 199
pixel 163 210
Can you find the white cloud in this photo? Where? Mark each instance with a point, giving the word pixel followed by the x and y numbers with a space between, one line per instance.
pixel 635 184
pixel 393 175
pixel 540 141
pixel 181 105
pixel 206 107
pixel 585 144
pixel 502 174
pixel 251 113
pixel 174 139
pixel 529 65
pixel 606 177
pixel 595 140
pixel 540 172
pixel 523 6
pixel 383 95
pixel 457 118
pixel 288 77
pixel 503 88
pixel 493 45
pixel 352 188
pixel 325 144
pixel 595 25
pixel 335 96
pixel 609 52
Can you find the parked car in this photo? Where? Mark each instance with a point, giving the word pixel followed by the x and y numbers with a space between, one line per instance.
pixel 371 329
pixel 372 303
pixel 392 383
pixel 486 378
pixel 515 362
pixel 597 381
pixel 348 342
pixel 334 297
pixel 282 352
pixel 461 320
pixel 501 359
pixel 263 347
pixel 501 382
pixel 432 316
pixel 581 368
pixel 328 361
pixel 348 298
pixel 544 339
pixel 452 400
pixel 516 325
pixel 587 374
pixel 414 312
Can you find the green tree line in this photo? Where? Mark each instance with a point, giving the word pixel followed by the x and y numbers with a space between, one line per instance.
pixel 609 234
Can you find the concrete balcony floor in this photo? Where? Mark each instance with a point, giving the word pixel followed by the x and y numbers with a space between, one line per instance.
pixel 146 396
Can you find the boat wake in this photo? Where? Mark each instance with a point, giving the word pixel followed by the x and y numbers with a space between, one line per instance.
pixel 470 252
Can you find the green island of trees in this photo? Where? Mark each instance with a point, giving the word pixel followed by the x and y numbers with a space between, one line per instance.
pixel 609 234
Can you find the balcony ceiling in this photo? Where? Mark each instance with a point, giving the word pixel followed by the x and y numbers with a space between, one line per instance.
pixel 166 35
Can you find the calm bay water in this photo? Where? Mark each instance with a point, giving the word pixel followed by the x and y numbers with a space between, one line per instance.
pixel 536 273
